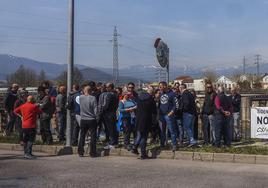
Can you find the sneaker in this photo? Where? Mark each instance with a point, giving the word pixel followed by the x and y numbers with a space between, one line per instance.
pixel 108 147
pixel 33 156
pixel 81 155
pixel 4 134
pixel 135 151
pixel 28 156
pixel 174 148
pixel 94 155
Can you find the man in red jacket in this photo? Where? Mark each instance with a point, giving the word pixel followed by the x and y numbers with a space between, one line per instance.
pixel 28 113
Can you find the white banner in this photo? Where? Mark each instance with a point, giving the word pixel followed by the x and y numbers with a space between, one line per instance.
pixel 259 122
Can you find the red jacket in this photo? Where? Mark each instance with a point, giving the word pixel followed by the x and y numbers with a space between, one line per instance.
pixel 29 113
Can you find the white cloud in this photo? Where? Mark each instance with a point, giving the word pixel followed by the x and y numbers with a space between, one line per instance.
pixel 175 32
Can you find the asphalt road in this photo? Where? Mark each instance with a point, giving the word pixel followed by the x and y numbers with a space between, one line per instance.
pixel 72 171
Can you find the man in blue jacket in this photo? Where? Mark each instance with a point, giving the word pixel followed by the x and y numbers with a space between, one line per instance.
pixel 167 117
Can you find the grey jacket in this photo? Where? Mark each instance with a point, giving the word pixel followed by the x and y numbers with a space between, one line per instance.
pixel 88 107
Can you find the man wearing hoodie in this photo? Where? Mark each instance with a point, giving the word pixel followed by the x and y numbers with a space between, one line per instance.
pixel 146 107
pixel 167 117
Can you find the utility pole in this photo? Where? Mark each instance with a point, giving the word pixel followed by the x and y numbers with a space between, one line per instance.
pixel 258 58
pixel 115 57
pixel 70 67
pixel 244 65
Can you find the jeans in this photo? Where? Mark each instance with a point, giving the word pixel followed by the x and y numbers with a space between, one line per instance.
pixel 110 122
pixel 11 122
pixel 141 140
pixel 88 125
pixel 235 125
pixel 209 128
pixel 62 125
pixel 28 139
pixel 195 126
pixel 222 129
pixel 45 131
pixel 187 122
pixel 128 129
pixel 170 123
pixel 180 131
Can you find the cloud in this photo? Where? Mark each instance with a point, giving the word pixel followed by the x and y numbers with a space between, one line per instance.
pixel 179 32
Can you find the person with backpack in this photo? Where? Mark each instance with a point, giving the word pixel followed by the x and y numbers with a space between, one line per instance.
pixel 126 109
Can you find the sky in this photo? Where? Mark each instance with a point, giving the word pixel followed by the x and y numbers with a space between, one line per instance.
pixel 198 32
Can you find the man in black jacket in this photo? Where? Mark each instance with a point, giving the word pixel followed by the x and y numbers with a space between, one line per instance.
pixel 208 115
pixel 235 98
pixel 108 104
pixel 146 107
pixel 9 102
pixel 189 110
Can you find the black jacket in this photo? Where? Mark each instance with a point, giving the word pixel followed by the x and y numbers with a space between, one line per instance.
pixel 209 105
pixel 188 102
pixel 236 102
pixel 146 107
pixel 108 103
pixel 10 100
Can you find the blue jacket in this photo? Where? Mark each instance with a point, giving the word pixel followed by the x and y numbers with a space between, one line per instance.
pixel 167 102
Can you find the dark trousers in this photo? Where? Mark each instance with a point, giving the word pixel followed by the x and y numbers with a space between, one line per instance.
pixel 19 128
pixel 45 131
pixel 222 129
pixel 88 125
pixel 110 122
pixel 128 129
pixel 28 139
pixel 195 127
pixel 75 130
pixel 62 125
pixel 10 125
pixel 141 140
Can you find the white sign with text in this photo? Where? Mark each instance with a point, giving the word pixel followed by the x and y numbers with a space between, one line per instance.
pixel 259 122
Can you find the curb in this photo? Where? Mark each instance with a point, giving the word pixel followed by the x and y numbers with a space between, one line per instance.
pixel 179 155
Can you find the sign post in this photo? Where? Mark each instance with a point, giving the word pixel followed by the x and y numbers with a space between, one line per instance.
pixel 259 122
pixel 162 54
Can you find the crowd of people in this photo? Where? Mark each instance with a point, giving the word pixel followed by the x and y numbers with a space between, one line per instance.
pixel 160 113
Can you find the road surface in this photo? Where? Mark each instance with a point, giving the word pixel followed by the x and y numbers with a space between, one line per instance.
pixel 72 171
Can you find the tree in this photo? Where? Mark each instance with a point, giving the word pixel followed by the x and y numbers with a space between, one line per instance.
pixel 25 77
pixel 42 76
pixel 77 77
pixel 210 76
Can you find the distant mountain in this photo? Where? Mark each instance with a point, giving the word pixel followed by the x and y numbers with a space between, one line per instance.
pixel 9 64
